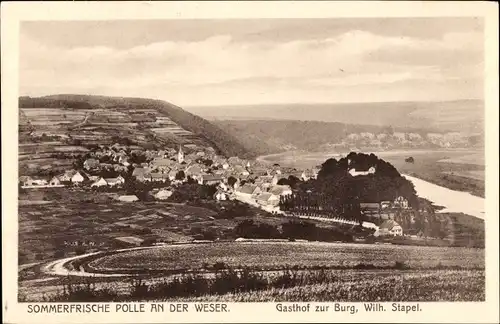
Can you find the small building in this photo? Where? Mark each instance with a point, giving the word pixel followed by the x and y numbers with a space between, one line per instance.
pixel 158 177
pixel 128 198
pixel 91 164
pixel 72 176
pixel 54 182
pixel 267 199
pixel 99 183
pixel 385 204
pixel 248 190
pixel 211 179
pixel 389 228
pixel 401 202
pixel 281 190
pixel 359 172
pixel 25 181
pixel 220 195
pixel 139 173
pixel 115 181
pixel 171 174
pixel 194 170
pixel 163 194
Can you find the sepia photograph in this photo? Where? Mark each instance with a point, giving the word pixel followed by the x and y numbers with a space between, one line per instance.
pixel 285 160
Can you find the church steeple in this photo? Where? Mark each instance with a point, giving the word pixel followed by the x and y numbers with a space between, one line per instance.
pixel 180 155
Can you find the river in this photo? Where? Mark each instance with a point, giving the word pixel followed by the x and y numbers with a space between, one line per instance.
pixel 453 201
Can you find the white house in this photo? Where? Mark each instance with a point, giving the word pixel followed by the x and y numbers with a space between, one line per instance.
pixel 389 228
pixel 267 199
pixel 72 176
pixel 115 181
pixel 281 190
pixel 401 202
pixel 248 190
pixel 358 172
pixel 55 182
pixel 163 194
pixel 99 183
pixel 220 195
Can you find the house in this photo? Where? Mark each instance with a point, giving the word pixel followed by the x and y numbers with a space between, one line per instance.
pixel 385 204
pixel 139 173
pixel 163 194
pixel 55 182
pixel 389 228
pixel 211 179
pixel 72 176
pixel 194 170
pixel 248 190
pixel 224 186
pixel 128 198
pixel 90 164
pixel 358 172
pixel 158 177
pixel 162 163
pixel 35 182
pixel 25 181
pixel 308 174
pixel 401 202
pixel 238 169
pixel 115 181
pixel 171 174
pixel 281 190
pixel 99 183
pixel 220 195
pixel 267 199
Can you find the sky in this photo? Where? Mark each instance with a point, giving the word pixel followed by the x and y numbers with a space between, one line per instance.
pixel 256 61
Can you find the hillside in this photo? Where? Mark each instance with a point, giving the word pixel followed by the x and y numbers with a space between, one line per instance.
pixel 461 115
pixel 269 136
pixel 56 129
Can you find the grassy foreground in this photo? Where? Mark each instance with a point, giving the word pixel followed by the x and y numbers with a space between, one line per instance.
pixel 395 283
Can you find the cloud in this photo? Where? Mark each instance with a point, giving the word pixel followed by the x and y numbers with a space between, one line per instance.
pixel 197 72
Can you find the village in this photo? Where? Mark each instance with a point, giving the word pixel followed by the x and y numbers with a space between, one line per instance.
pixel 233 176
pixel 110 168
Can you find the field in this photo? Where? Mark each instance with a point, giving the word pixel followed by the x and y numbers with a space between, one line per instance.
pixel 76 215
pixel 271 256
pixel 283 272
pixel 100 120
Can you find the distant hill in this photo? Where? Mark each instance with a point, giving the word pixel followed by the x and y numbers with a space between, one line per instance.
pixel 270 136
pixel 461 115
pixel 86 119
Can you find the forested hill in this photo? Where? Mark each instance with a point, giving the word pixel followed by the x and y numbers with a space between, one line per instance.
pixel 271 136
pixel 127 110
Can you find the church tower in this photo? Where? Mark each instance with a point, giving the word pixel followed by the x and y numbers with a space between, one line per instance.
pixel 180 155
